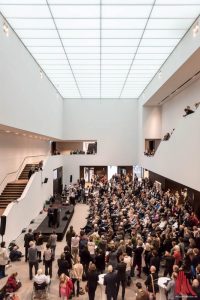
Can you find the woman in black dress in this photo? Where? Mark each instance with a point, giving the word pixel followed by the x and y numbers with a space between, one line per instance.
pixel 92 280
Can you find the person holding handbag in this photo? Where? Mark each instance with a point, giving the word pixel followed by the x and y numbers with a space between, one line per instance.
pixel 152 283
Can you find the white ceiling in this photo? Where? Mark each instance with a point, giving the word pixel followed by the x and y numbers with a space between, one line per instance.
pixel 100 48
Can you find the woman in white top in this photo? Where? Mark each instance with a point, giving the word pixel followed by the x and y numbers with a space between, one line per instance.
pixel 129 262
pixel 77 273
pixel 3 258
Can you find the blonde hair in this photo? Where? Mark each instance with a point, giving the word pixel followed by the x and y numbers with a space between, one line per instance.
pixel 40 271
pixel 62 278
pixel 110 268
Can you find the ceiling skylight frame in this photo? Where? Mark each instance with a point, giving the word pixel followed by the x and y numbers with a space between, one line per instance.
pixel 112 66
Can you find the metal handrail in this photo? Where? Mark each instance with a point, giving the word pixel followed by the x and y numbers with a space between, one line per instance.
pixel 20 167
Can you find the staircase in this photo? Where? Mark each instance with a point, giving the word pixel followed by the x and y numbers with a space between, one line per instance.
pixel 24 173
pixel 14 190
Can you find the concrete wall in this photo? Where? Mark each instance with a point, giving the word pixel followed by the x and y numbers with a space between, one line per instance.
pixel 113 123
pixel 178 158
pixel 20 214
pixel 27 101
pixel 14 149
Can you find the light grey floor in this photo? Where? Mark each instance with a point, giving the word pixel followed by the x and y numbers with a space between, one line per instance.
pixel 78 221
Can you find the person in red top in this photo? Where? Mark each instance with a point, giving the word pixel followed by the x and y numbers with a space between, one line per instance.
pixel 12 284
pixel 65 287
pixel 177 255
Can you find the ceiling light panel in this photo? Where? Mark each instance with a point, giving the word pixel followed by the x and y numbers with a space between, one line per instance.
pixel 114 57
pixel 125 11
pixel 81 24
pixel 25 11
pixel 31 23
pixel 75 11
pixel 173 11
pixel 35 34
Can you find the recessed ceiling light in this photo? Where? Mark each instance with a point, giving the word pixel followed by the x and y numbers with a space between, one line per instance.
pixel 195 29
pixel 16 133
pixel 6 29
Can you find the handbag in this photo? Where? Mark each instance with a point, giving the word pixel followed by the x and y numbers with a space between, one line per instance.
pixel 86 288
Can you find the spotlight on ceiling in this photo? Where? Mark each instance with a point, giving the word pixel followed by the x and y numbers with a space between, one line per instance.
pixel 195 29
pixel 6 29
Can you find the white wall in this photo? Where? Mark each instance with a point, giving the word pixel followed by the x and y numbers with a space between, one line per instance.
pixel 113 123
pixel 14 149
pixel 173 110
pixel 19 215
pixel 178 158
pixel 152 122
pixel 27 101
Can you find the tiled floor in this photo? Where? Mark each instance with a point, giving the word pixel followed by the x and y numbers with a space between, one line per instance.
pixel 78 221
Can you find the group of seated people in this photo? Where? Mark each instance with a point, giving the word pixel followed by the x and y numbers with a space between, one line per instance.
pixel 188 109
pixel 149 152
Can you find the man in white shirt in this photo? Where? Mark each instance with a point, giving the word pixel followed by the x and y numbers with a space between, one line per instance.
pixel 40 278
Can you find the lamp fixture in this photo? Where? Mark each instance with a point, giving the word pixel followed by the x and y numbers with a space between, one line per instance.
pixel 195 29
pixel 6 29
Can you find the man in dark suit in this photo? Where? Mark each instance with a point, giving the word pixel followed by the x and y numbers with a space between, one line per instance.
pixel 110 281
pixel 28 237
pixel 121 276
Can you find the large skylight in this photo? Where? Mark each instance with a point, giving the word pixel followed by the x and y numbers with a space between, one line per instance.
pixel 100 48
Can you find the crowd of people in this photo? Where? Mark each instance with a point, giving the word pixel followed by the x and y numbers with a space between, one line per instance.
pixel 133 230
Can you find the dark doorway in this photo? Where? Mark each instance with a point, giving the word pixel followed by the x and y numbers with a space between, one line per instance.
pixel 88 172
pixel 125 170
pixel 57 180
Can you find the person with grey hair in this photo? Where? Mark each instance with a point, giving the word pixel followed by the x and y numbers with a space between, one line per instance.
pixel 33 259
pixel 110 281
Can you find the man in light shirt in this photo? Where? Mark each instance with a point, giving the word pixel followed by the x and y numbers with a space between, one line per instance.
pixel 41 279
pixel 75 246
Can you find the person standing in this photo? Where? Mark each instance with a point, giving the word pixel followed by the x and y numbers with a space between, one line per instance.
pixel 33 260
pixel 70 233
pixel 65 287
pixel 110 281
pixel 63 266
pixel 170 288
pixel 141 293
pixel 39 245
pixel 92 280
pixel 47 259
pixel 121 276
pixel 137 261
pixel 152 282
pixel 28 237
pixel 78 273
pixel 3 259
pixel 52 242
pixel 75 246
